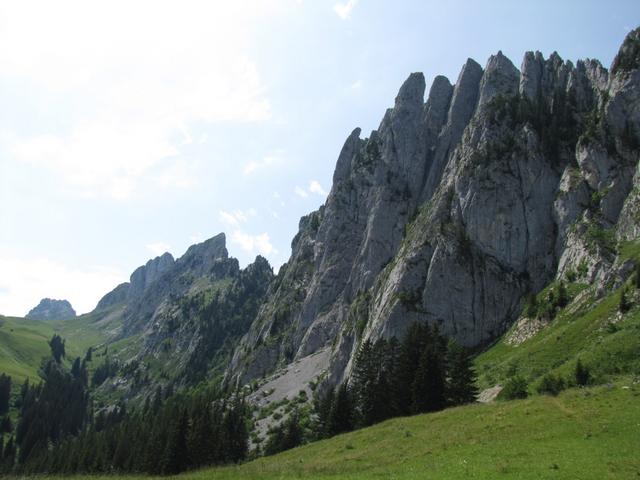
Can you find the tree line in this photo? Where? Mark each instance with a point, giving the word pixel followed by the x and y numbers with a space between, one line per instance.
pixel 423 373
pixel 182 433
pixel 59 433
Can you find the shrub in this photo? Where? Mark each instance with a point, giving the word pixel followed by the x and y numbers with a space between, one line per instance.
pixel 625 303
pixel 551 385
pixel 516 387
pixel 582 374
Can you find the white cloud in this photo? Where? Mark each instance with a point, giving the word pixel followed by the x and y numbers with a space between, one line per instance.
pixel 343 9
pixel 129 98
pixel 25 281
pixel 301 192
pixel 237 217
pixel 264 164
pixel 357 85
pixel 253 244
pixel 158 248
pixel 315 187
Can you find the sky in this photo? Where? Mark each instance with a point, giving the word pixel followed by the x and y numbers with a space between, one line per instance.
pixel 131 128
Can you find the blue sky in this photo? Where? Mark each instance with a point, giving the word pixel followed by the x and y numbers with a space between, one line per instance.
pixel 131 128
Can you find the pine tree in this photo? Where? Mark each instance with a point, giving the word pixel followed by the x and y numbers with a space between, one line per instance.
pixel 364 383
pixel 341 412
pixel 322 407
pixel 57 347
pixel 201 446
pixel 6 426
pixel 428 387
pixel 9 454
pixel 176 454
pixel 461 382
pixel 5 393
pixel 234 431
pixel 411 349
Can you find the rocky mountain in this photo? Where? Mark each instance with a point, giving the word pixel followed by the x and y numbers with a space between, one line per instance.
pixel 183 316
pixel 456 208
pixel 50 309
pixel 452 212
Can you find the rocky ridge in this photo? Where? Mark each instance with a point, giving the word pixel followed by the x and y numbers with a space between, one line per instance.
pixel 456 208
pixel 50 309
pixel 184 316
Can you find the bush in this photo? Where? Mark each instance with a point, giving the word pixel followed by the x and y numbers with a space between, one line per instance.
pixel 516 387
pixel 582 374
pixel 551 385
pixel 625 303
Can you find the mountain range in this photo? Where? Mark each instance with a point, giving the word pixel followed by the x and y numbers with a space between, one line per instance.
pixel 502 210
pixel 453 212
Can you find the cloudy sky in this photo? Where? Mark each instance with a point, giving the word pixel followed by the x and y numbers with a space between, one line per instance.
pixel 130 128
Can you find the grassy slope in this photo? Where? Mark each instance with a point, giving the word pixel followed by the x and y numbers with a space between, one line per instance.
pixel 592 330
pixel 24 342
pixel 586 434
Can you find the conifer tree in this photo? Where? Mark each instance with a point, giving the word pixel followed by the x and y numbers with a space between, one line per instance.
pixel 176 454
pixel 341 412
pixel 461 381
pixel 322 407
pixel 411 350
pixel 200 442
pixel 5 393
pixel 428 387
pixel 57 347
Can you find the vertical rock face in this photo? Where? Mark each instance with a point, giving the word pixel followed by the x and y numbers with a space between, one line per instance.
pixel 149 273
pixel 455 208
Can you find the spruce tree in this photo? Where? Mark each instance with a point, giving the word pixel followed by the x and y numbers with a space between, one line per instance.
pixel 201 446
pixel 176 454
pixel 9 454
pixel 428 387
pixel 5 393
pixel 461 378
pixel 341 412
pixel 322 407
pixel 363 384
pixel 57 347
pixel 411 350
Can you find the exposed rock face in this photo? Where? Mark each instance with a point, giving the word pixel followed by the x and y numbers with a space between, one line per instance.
pixel 454 209
pixel 185 314
pixel 118 295
pixel 144 276
pixel 49 309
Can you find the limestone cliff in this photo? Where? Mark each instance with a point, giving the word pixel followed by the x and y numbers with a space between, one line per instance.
pixel 456 208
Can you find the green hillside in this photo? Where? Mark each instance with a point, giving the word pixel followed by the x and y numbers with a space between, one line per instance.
pixel 594 331
pixel 24 342
pixel 583 433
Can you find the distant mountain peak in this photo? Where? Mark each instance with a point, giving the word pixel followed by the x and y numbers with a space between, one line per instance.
pixel 50 309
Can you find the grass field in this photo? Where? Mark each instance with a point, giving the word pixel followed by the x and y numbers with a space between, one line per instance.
pixel 582 434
